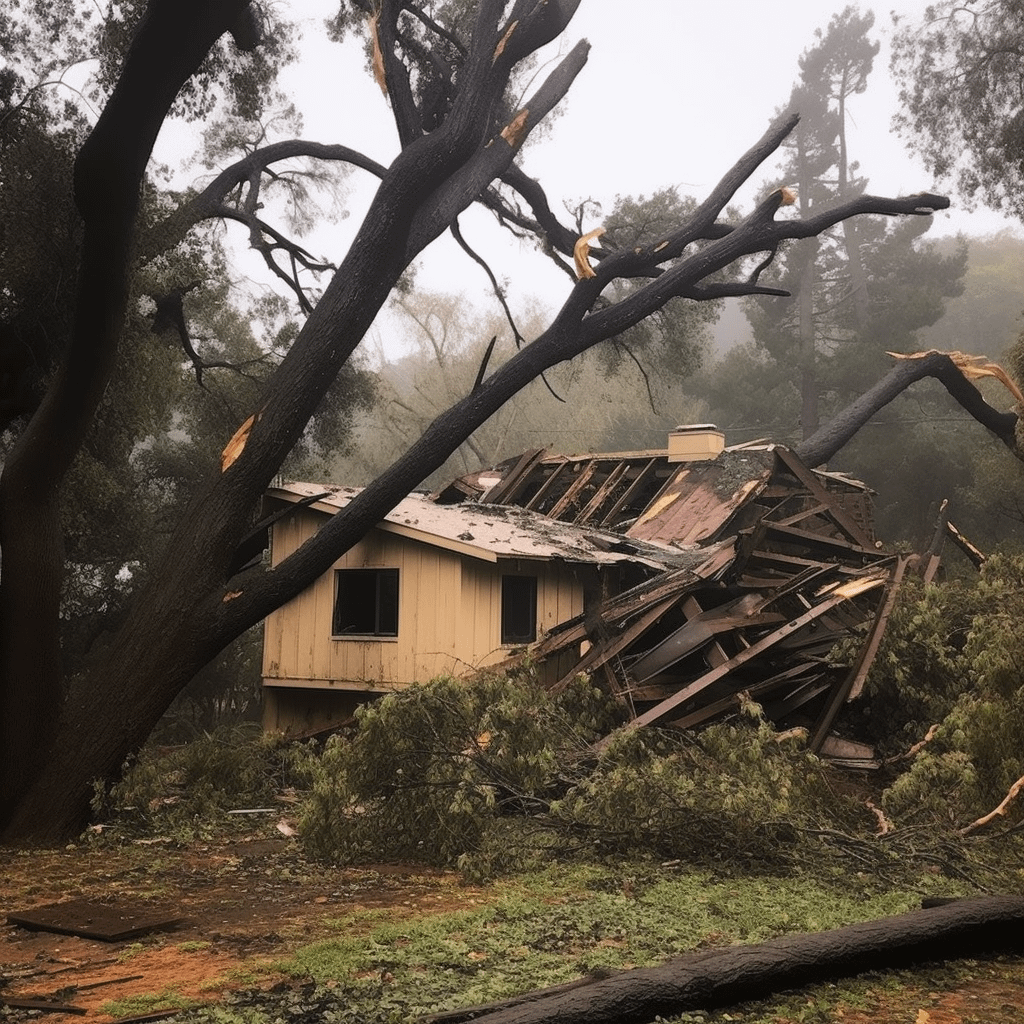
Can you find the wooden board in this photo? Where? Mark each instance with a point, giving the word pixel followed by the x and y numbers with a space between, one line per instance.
pixel 106 922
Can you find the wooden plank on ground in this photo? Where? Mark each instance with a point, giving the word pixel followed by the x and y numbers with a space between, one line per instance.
pixel 103 921
pixel 41 1006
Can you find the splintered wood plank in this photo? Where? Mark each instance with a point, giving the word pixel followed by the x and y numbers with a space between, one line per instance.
pixel 566 501
pixel 634 488
pixel 595 506
pixel 666 707
pixel 601 653
pixel 106 922
pixel 731 702
pixel 853 684
pixel 503 491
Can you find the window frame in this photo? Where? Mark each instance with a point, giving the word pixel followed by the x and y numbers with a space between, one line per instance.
pixel 520 581
pixel 383 616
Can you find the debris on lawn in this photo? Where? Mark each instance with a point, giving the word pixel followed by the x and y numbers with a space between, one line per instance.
pixel 104 921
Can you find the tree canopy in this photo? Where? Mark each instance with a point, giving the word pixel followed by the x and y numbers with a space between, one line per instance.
pixel 960 104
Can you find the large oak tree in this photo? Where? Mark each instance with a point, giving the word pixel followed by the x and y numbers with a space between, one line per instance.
pixel 446 79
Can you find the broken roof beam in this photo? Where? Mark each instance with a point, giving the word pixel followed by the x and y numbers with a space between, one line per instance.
pixel 808 539
pixel 798 517
pixel 566 501
pixel 843 592
pixel 645 473
pixel 724 705
pixel 853 530
pixel 596 504
pixel 615 613
pixel 557 470
pixel 742 612
pixel 853 684
pixel 601 653
pixel 792 564
pixel 515 479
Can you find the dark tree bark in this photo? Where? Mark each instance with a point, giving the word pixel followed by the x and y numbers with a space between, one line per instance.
pixel 830 438
pixel 59 736
pixel 723 977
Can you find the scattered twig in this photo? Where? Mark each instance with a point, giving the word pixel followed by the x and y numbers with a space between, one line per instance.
pixel 884 824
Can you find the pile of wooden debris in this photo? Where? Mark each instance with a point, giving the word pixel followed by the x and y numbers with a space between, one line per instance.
pixel 785 569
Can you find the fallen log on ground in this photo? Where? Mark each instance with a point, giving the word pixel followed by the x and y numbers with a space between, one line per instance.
pixel 723 977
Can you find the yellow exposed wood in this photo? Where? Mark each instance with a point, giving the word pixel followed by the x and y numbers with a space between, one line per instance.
pixel 231 595
pixel 235 446
pixel 503 42
pixel 972 367
pixel 514 131
pixel 788 196
pixel 581 253
pixel 999 811
pixel 378 54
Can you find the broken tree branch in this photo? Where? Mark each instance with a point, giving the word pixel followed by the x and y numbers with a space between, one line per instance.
pixel 823 445
pixel 998 812
pixel 915 749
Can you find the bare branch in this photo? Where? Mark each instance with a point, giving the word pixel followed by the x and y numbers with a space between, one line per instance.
pixel 210 203
pixel 499 292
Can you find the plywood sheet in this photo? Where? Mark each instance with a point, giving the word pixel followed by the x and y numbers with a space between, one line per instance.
pixel 108 922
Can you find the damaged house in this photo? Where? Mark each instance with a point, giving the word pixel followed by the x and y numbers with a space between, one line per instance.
pixel 679 578
pixel 432 590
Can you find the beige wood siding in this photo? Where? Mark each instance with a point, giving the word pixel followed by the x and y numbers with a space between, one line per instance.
pixel 299 646
pixel 449 614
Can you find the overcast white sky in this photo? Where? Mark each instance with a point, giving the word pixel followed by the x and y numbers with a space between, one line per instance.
pixel 673 93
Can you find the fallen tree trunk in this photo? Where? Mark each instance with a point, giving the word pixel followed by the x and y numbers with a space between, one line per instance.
pixel 952 369
pixel 723 977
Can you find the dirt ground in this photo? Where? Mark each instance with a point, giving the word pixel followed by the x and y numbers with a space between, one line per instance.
pixel 245 904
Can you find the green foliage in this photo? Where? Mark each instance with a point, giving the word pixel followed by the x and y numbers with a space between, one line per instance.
pixel 921 668
pixel 959 106
pixel 953 657
pixel 186 790
pixel 493 775
pixel 734 794
pixel 670 343
pixel 432 769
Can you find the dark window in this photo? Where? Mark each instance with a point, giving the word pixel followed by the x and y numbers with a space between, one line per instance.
pixel 518 609
pixel 366 602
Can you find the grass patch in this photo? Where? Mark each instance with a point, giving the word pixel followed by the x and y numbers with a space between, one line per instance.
pixel 148 1002
pixel 557 925
pixel 133 949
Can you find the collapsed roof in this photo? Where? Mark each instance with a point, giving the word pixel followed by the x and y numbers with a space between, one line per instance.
pixel 787 567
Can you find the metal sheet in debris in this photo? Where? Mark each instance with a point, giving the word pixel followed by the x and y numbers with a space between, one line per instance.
pixel 104 921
